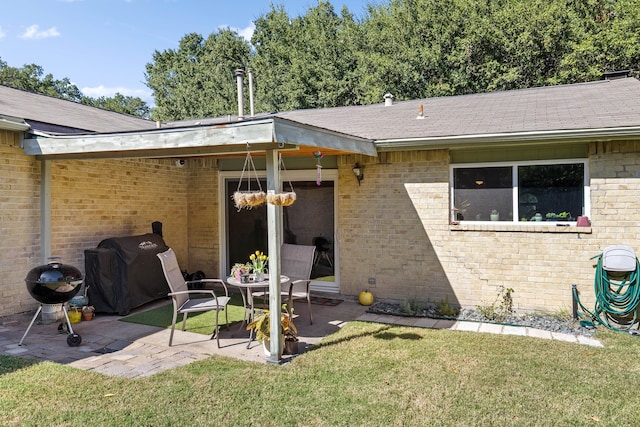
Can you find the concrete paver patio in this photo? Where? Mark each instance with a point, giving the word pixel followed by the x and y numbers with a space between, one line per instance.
pixel 131 350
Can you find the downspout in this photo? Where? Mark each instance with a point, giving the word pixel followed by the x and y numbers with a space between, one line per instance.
pixel 45 210
pixel 274 237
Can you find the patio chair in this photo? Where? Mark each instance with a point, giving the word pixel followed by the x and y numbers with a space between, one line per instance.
pixel 181 296
pixel 296 262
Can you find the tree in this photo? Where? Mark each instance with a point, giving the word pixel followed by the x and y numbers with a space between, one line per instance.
pixel 607 40
pixel 197 80
pixel 305 62
pixel 31 78
pixel 421 48
pixel 119 103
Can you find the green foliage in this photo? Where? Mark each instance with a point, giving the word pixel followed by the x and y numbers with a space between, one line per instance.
pixel 261 324
pixel 444 308
pixel 430 377
pixel 197 80
pixel 304 62
pixel 410 48
pixel 119 103
pixel 31 78
pixel 501 307
pixel 412 307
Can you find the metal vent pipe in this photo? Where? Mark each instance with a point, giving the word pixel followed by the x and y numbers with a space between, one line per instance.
pixel 251 110
pixel 240 81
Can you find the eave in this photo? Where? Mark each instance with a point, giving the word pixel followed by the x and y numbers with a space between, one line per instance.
pixel 13 124
pixel 508 139
pixel 221 139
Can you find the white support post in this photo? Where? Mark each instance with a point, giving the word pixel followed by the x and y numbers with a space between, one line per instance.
pixel 45 210
pixel 274 237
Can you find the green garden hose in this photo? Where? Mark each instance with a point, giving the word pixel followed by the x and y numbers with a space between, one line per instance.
pixel 617 297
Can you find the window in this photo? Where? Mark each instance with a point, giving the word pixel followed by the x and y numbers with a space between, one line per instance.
pixel 520 192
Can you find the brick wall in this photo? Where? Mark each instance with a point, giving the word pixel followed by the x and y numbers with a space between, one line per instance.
pixel 395 229
pixel 91 200
pixel 204 207
pixel 19 222
pixel 387 225
pixel 96 199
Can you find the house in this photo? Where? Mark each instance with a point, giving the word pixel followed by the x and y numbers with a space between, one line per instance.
pixel 417 226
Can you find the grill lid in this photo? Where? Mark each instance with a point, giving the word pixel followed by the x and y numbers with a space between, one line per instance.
pixel 54 272
pixel 53 283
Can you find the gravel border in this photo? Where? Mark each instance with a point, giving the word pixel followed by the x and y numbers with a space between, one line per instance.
pixel 537 321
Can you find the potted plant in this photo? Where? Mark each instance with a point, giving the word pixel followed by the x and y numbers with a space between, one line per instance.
pixel 88 312
pixel 261 325
pixel 495 215
pixel 258 264
pixel 238 270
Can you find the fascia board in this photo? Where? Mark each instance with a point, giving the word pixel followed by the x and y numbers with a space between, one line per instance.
pixel 461 141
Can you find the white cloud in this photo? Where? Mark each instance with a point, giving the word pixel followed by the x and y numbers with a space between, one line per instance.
pixel 245 33
pixel 2 33
pixel 109 92
pixel 34 32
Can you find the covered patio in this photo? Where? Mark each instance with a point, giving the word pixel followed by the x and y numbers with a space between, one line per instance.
pixel 267 137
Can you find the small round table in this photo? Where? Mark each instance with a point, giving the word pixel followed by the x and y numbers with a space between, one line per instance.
pixel 246 291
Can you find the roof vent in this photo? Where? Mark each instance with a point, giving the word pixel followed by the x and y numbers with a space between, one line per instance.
pixel 613 75
pixel 240 82
pixel 388 99
pixel 420 112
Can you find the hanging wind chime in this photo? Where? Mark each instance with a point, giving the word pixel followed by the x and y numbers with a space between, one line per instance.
pixel 318 155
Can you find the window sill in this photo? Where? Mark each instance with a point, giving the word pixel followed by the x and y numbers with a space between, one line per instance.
pixel 517 227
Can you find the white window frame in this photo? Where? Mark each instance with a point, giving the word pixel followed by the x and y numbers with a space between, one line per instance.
pixel 290 175
pixel 514 187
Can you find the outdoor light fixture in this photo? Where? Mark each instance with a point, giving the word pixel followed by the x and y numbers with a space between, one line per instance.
pixel 357 171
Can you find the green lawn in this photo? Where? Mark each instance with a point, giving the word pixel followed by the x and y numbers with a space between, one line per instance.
pixel 364 375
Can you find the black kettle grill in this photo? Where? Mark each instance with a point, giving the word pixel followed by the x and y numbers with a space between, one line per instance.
pixel 54 283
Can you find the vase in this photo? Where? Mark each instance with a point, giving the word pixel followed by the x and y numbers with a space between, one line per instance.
pixel 290 346
pixel 266 345
pixel 259 276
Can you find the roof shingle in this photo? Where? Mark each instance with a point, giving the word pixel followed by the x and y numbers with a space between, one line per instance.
pixel 53 114
pixel 594 105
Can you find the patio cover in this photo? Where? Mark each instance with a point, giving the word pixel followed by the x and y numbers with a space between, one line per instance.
pixel 209 137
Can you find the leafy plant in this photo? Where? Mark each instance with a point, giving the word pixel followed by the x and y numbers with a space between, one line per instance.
pixel 261 324
pixel 501 307
pixel 561 215
pixel 444 308
pixel 412 307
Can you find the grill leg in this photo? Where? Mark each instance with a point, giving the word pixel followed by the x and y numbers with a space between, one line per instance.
pixel 31 324
pixel 66 316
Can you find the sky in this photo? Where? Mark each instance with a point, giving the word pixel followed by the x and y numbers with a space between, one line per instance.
pixel 103 46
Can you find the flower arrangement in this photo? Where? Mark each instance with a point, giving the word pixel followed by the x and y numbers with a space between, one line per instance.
pixel 258 262
pixel 239 270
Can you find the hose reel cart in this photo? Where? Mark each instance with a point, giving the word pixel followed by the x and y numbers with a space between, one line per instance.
pixel 617 291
